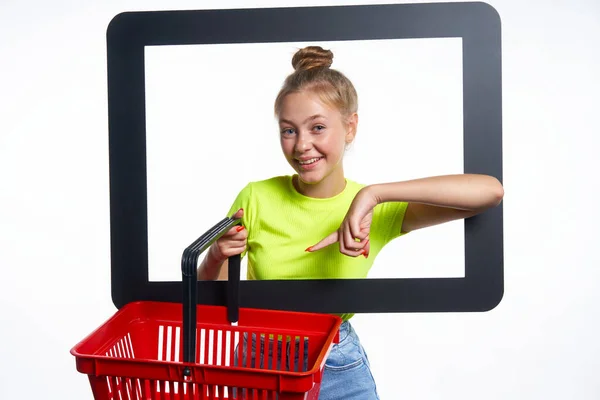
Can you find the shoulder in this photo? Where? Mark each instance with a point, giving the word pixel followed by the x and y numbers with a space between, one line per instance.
pixel 268 186
pixel 276 182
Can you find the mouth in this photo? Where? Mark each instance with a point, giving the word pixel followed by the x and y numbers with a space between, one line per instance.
pixel 310 163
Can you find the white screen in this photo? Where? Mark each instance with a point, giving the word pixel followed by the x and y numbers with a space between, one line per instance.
pixel 207 101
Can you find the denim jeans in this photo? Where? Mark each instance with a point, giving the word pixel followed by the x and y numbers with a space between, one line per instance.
pixel 347 373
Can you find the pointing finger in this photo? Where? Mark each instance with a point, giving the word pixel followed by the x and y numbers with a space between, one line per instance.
pixel 329 240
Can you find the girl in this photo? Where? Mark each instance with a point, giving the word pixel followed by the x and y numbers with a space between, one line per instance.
pixel 317 224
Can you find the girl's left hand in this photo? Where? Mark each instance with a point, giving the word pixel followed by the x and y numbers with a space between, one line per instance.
pixel 353 233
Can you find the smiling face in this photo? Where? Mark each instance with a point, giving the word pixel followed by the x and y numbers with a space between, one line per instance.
pixel 313 139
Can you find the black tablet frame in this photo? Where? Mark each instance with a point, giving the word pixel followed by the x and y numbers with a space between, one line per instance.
pixel 477 23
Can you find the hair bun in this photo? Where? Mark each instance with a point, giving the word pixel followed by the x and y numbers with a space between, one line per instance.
pixel 312 57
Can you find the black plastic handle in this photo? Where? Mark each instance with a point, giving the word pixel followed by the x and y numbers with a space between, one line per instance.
pixel 189 275
pixel 233 289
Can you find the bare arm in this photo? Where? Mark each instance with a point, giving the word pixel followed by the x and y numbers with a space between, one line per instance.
pixel 440 199
pixel 431 201
pixel 223 274
pixel 211 268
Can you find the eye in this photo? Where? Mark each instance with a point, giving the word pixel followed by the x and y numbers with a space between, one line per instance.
pixel 287 131
pixel 319 128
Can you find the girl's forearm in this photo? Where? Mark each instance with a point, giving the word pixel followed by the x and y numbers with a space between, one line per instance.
pixel 464 192
pixel 210 267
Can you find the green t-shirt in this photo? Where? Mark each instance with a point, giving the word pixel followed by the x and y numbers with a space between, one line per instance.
pixel 282 223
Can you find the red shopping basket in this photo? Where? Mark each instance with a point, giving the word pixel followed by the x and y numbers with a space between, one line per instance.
pixel 177 351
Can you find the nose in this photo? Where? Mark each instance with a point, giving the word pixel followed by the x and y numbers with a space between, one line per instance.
pixel 303 143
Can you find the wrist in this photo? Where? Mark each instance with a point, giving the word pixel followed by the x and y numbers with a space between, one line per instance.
pixel 374 193
pixel 214 256
pixel 210 267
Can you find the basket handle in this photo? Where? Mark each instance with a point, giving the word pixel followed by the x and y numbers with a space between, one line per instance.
pixel 233 289
pixel 189 274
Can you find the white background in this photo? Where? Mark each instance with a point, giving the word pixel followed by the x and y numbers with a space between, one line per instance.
pixel 539 343
pixel 211 129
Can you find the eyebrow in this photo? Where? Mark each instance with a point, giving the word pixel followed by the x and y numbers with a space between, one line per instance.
pixel 312 117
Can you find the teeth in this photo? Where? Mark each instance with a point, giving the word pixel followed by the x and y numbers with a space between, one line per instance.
pixel 312 160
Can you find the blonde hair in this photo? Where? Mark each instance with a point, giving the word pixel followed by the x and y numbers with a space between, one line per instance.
pixel 313 73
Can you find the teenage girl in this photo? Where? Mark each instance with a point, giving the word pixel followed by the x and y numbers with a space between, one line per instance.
pixel 318 224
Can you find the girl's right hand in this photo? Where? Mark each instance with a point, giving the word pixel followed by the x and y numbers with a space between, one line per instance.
pixel 232 243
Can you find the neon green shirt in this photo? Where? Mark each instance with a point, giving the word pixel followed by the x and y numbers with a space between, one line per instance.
pixel 282 223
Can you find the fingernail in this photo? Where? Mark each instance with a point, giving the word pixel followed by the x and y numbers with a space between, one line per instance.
pixel 366 255
pixel 308 249
pixel 239 228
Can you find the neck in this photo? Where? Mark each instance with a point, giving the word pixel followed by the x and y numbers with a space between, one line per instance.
pixel 330 186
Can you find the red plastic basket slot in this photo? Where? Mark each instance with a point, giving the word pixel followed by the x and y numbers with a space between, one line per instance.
pixel 137 354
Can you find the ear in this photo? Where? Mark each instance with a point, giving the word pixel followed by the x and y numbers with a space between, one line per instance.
pixel 352 126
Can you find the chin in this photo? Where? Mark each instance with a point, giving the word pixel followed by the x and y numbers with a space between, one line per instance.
pixel 310 178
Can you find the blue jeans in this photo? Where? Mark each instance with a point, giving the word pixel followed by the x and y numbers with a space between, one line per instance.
pixel 347 372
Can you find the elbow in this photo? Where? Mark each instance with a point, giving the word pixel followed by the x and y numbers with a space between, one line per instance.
pixel 490 194
pixel 496 193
